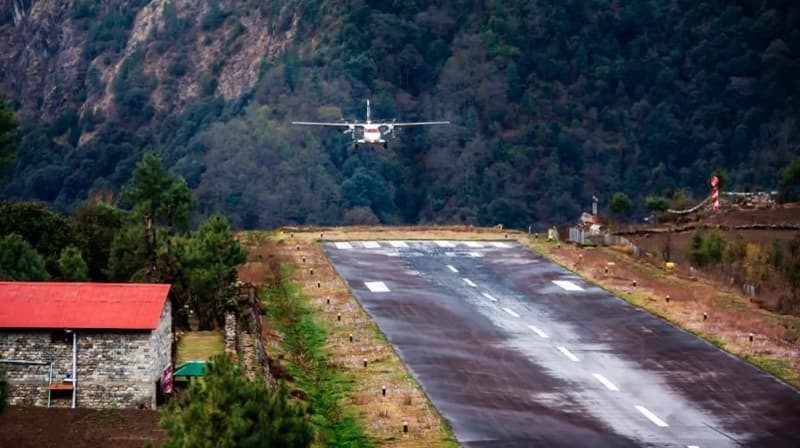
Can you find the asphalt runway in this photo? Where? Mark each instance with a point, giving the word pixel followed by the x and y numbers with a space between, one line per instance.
pixel 515 351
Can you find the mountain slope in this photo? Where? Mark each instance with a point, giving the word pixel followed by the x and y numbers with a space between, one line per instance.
pixel 552 102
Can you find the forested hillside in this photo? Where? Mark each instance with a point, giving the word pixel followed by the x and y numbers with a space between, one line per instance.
pixel 552 101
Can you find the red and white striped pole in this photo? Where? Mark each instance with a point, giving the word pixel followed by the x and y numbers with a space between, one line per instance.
pixel 715 193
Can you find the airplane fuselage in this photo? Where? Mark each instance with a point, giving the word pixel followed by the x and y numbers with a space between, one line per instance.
pixel 372 135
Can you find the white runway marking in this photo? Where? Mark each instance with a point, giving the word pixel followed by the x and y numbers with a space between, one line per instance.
pixel 609 385
pixel 693 446
pixel 398 243
pixel 376 286
pixel 474 254
pixel 470 283
pixel 568 354
pixel 652 417
pixel 343 246
pixel 541 333
pixel 372 245
pixel 511 312
pixel 489 296
pixel 474 244
pixel 445 244
pixel 568 285
pixel 452 269
pixel 501 245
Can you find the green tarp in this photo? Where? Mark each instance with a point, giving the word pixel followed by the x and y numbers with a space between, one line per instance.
pixel 191 368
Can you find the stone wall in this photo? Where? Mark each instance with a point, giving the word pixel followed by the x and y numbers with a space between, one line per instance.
pixel 29 382
pixel 161 345
pixel 114 368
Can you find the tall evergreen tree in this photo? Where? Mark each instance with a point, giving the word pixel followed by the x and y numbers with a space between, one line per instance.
pixel 19 260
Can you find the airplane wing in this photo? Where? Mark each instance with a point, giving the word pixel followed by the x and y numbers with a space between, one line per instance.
pixel 337 125
pixel 416 123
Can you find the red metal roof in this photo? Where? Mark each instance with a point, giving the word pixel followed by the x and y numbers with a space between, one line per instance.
pixel 118 306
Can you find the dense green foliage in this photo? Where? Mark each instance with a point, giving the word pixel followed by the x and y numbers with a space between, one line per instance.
pixel 620 204
pixel 151 241
pixel 72 266
pixel 225 409
pixel 20 261
pixel 552 102
pixel 47 231
pixel 8 126
pixel 209 258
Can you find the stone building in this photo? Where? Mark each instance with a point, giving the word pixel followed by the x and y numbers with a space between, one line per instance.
pixel 96 345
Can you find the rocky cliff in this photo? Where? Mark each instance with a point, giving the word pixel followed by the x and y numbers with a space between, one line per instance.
pixel 73 54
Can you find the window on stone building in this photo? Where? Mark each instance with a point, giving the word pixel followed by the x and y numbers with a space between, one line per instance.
pixel 60 337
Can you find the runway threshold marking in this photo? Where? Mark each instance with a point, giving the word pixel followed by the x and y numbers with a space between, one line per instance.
pixel 344 245
pixel 511 312
pixel 445 244
pixel 474 244
pixel 372 245
pixel 568 354
pixel 693 446
pixel 398 243
pixel 452 269
pixel 541 333
pixel 470 283
pixel 609 385
pixel 568 285
pixel 489 296
pixel 501 245
pixel 652 417
pixel 376 286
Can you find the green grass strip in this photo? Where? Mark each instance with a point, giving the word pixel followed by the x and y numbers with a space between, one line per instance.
pixel 324 385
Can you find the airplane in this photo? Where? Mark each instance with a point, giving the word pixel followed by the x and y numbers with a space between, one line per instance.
pixel 372 133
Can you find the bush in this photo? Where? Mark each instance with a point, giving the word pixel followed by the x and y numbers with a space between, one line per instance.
pixel 707 247
pixel 225 409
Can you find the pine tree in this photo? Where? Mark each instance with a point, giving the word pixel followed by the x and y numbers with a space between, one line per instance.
pixel 225 410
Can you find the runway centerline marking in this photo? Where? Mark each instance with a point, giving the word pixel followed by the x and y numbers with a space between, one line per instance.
pixel 398 243
pixel 541 333
pixel 568 285
pixel 652 417
pixel 693 446
pixel 568 354
pixel 475 254
pixel 470 283
pixel 445 244
pixel 474 244
pixel 511 312
pixel 609 385
pixel 376 286
pixel 489 296
pixel 343 245
pixel 501 245
pixel 452 269
pixel 372 245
